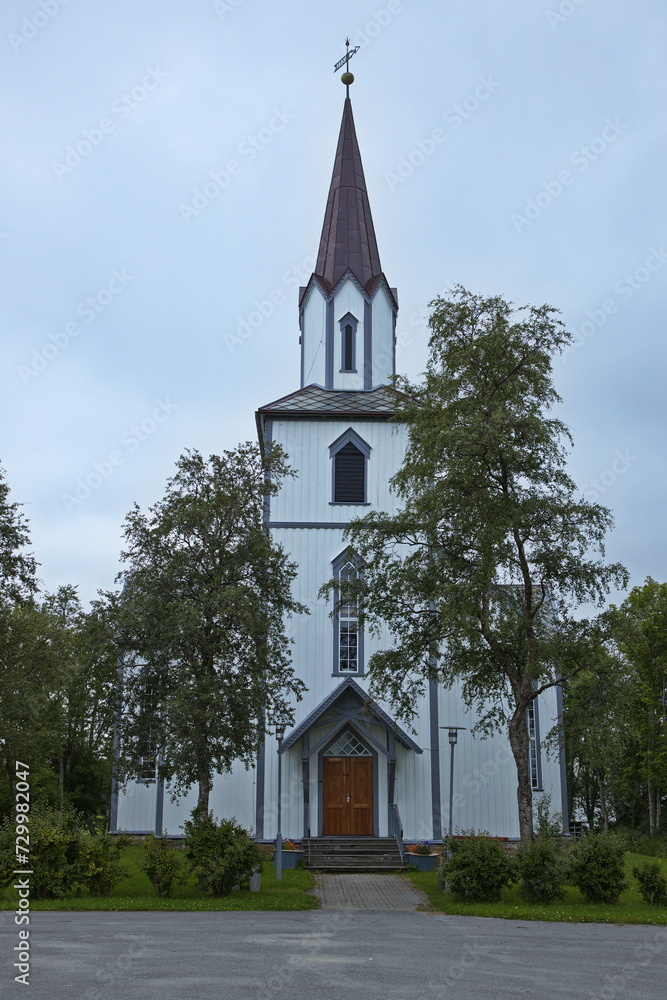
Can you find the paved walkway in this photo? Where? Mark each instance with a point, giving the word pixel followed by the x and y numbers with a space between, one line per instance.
pixel 367 892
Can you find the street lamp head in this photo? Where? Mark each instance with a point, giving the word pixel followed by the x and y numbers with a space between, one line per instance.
pixel 280 731
pixel 452 733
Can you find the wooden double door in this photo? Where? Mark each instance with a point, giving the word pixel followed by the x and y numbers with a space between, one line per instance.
pixel 348 796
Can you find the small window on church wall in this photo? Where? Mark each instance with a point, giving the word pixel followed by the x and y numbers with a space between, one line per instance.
pixel 348 336
pixel 348 348
pixel 347 624
pixel 534 761
pixel 349 475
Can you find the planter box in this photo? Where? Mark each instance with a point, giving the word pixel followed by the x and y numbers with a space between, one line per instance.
pixel 290 859
pixel 424 862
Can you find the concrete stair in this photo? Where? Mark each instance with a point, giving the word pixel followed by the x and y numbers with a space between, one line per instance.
pixel 352 854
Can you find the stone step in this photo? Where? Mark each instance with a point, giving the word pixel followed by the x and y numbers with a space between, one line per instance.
pixel 342 867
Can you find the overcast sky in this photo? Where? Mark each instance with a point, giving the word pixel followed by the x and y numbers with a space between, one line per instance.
pixel 165 170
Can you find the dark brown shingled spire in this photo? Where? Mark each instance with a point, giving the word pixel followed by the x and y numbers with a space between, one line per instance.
pixel 348 237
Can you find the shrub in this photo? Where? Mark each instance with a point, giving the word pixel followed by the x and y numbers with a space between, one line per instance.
pixel 542 865
pixel 597 867
pixel 163 865
pixel 54 857
pixel 652 883
pixel 478 868
pixel 221 855
pixel 100 865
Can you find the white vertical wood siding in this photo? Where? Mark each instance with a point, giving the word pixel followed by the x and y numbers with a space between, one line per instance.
pixel 308 497
pixel 313 337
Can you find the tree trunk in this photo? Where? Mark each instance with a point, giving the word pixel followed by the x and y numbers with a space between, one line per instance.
pixel 603 806
pixel 205 785
pixel 518 736
pixel 652 817
pixel 61 779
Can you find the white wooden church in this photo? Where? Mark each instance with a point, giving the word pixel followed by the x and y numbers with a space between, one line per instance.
pixel 347 766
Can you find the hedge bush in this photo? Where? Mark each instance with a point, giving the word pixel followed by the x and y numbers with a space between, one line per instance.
pixel 163 865
pixel 100 865
pixel 597 867
pixel 652 883
pixel 221 854
pixel 479 867
pixel 543 867
pixel 64 858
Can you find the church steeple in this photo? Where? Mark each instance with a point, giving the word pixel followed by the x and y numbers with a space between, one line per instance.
pixel 347 311
pixel 348 237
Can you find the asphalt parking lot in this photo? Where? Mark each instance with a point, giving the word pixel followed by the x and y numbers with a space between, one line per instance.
pixel 331 955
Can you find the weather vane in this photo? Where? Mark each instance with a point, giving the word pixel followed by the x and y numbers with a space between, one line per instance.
pixel 347 77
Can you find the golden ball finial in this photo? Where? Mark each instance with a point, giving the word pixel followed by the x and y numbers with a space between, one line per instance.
pixel 347 79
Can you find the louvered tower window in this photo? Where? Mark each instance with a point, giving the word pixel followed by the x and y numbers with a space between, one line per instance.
pixel 350 456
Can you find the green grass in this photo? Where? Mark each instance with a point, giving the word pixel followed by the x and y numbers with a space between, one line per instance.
pixel 137 893
pixel 572 909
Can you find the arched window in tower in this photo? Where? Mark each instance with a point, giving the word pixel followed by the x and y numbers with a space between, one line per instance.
pixel 349 455
pixel 348 638
pixel 348 343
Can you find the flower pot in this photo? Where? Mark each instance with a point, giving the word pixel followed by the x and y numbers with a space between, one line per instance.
pixel 424 862
pixel 290 859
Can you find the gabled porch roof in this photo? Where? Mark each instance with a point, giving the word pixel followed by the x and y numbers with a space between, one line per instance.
pixel 372 713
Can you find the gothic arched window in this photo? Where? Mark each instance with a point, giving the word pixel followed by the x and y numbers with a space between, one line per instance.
pixel 348 343
pixel 348 638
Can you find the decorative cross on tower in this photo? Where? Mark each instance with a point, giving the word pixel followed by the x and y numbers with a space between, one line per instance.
pixel 347 77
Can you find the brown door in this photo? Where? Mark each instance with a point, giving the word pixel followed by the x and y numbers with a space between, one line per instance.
pixel 348 796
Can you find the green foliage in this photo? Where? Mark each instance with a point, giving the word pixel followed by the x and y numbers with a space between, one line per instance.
pixel 597 868
pixel 642 843
pixel 547 824
pixel 55 840
pixel 202 616
pixel 493 548
pixel 163 864
pixel 100 865
pixel 543 866
pixel 652 883
pixel 221 854
pixel 479 867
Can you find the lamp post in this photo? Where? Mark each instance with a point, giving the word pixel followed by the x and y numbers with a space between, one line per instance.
pixel 280 732
pixel 453 735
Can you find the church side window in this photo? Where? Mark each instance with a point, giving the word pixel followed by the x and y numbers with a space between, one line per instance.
pixel 348 638
pixel 348 337
pixel 147 762
pixel 350 456
pixel 534 761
